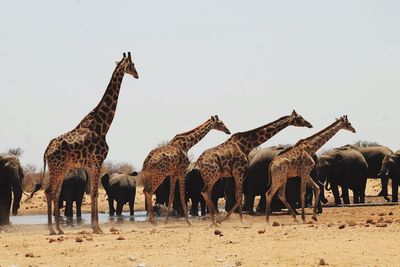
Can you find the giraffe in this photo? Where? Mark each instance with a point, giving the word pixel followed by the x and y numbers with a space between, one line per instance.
pixel 231 158
pixel 84 147
pixel 298 161
pixel 172 160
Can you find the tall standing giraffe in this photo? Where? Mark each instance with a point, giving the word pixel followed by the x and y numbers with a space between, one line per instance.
pixel 172 160
pixel 231 158
pixel 298 161
pixel 85 147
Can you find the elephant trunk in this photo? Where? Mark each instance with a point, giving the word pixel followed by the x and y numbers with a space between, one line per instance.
pixel 105 181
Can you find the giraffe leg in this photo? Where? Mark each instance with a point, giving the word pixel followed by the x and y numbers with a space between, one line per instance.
pixel 183 199
pixel 49 197
pixel 94 194
pixel 302 197
pixel 56 196
pixel 282 197
pixel 316 196
pixel 171 196
pixel 238 197
pixel 207 197
pixel 268 197
pixel 149 206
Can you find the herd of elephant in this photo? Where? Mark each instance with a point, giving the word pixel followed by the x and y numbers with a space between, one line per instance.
pixel 348 167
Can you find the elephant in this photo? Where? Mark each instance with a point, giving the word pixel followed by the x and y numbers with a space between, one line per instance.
pixel 72 190
pixel 11 178
pixel 391 168
pixel 257 178
pixel 374 156
pixel 345 167
pixel 120 187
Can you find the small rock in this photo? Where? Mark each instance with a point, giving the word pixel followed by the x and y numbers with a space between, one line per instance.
pixel 381 225
pixel 330 224
pixel 89 238
pixel 78 239
pixel 367 225
pixel 389 221
pixel 51 240
pixel 261 231
pixel 238 263
pixel 60 239
pixel 351 223
pixel 121 238
pixel 275 224
pixel 113 230
pixel 342 226
pixel 132 258
pixel 84 233
pixel 29 255
pixel 381 219
pixel 322 262
pixel 220 260
pixel 285 233
pixel 382 214
pixel 370 221
pixel 218 232
pixel 390 213
pixel 310 222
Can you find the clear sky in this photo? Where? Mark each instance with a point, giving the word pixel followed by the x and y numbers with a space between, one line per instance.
pixel 250 62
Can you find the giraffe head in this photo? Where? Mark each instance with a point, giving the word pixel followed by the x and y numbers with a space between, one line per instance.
pixel 128 66
pixel 219 125
pixel 346 125
pixel 298 120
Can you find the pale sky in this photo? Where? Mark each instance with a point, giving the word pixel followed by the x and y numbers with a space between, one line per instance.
pixel 250 62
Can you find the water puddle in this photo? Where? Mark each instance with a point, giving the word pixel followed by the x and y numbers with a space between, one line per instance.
pixel 140 216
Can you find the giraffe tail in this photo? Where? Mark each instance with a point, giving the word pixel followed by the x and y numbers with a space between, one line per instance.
pixel 38 186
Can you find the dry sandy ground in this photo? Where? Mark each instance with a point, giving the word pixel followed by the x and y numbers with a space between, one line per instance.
pixel 141 244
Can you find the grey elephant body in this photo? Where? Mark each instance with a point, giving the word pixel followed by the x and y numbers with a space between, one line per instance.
pixel 11 177
pixel 120 187
pixel 72 190
pixel 345 167
pixel 374 156
pixel 391 168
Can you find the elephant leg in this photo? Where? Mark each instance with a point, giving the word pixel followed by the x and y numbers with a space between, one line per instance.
pixel 5 205
pixel 395 189
pixel 384 190
pixel 345 194
pixel 79 207
pixel 120 205
pixel 194 209
pixel 249 203
pixel 335 191
pixel 131 207
pixel 111 205
pixel 68 208
pixel 356 196
pixel 203 206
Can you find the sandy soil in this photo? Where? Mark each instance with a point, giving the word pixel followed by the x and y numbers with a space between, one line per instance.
pixel 345 236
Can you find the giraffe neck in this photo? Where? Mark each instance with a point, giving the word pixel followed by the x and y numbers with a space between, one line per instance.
pixel 100 118
pixel 188 139
pixel 316 141
pixel 249 140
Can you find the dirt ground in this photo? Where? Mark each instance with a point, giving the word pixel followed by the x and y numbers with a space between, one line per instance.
pixel 343 236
